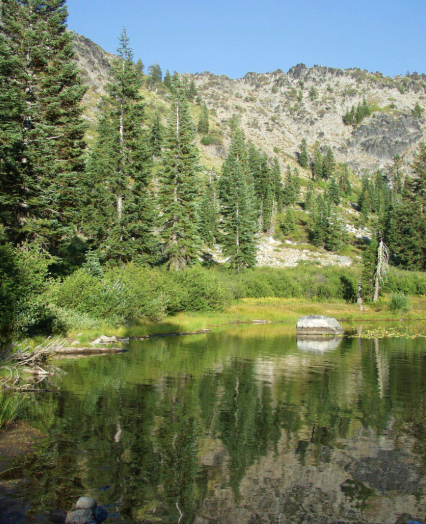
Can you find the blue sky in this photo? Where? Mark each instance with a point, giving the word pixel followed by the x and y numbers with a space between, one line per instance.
pixel 234 37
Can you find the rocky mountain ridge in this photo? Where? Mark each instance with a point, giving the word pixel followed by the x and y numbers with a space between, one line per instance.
pixel 277 110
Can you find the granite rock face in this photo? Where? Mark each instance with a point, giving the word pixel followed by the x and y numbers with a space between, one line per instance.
pixel 384 136
pixel 318 325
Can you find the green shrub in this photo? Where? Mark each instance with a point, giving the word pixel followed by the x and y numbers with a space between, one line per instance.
pixel 211 140
pixel 399 302
pixel 23 279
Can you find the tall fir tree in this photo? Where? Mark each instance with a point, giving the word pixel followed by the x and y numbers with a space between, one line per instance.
pixel 209 213
pixel 42 146
pixel 238 206
pixel 156 135
pixel 317 163
pixel 179 185
pixel 405 223
pixel 344 182
pixel 329 164
pixel 369 262
pixel 303 154
pixel 120 203
pixel 203 122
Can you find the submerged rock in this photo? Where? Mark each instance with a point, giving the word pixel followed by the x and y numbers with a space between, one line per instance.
pixel 318 325
pixel 86 512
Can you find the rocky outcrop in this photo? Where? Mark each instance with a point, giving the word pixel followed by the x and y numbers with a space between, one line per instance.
pixel 385 136
pixel 318 325
pixel 93 62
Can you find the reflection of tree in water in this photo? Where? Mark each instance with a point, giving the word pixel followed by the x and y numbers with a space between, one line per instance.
pixel 176 437
pixel 247 421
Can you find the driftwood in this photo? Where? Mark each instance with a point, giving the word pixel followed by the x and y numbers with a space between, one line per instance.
pixel 28 360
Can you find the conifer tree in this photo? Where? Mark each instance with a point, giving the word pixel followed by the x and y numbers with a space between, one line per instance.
pixel 191 91
pixel 179 184
pixel 396 172
pixel 267 194
pixel 344 182
pixel 309 197
pixel 336 234
pixel 318 222
pixel 288 225
pixel 369 260
pixel 167 79
pixel 41 166
pixel 278 186
pixel 317 165
pixel 209 213
pixel 334 192
pixel 121 206
pixel 156 135
pixel 405 223
pixel 238 206
pixel 328 165
pixel 203 122
pixel 303 155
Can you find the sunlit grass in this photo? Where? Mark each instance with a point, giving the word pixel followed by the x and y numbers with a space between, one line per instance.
pixel 272 309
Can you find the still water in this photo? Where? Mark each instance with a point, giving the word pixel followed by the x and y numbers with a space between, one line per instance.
pixel 239 426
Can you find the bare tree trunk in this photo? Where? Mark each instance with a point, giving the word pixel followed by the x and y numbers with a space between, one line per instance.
pixel 382 268
pixel 359 297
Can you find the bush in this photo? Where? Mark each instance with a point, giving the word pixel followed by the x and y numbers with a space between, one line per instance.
pixel 211 140
pixel 23 280
pixel 399 302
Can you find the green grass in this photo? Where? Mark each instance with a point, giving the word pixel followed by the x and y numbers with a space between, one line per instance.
pixel 273 309
pixel 12 407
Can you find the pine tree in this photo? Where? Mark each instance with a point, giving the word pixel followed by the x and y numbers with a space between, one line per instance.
pixel 369 260
pixel 42 147
pixel 168 79
pixel 288 225
pixel 278 186
pixel 209 213
pixel 396 172
pixel 156 135
pixel 405 224
pixel 318 222
pixel 120 204
pixel 317 166
pixel 179 185
pixel 336 235
pixel 334 192
pixel 303 155
pixel 139 68
pixel 344 182
pixel 309 197
pixel 155 75
pixel 329 164
pixel 238 206
pixel 203 122
pixel 191 91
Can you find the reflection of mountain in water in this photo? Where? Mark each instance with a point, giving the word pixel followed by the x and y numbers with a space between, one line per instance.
pixel 362 483
pixel 260 433
pixel 318 344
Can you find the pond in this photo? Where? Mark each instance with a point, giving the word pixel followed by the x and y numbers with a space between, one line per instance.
pixel 243 425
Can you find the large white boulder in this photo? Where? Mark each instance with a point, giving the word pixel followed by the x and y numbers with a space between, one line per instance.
pixel 318 325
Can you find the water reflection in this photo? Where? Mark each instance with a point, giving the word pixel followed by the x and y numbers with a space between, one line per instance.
pixel 237 427
pixel 318 343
